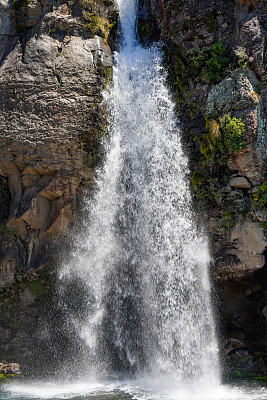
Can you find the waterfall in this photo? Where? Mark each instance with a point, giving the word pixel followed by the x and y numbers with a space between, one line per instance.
pixel 140 258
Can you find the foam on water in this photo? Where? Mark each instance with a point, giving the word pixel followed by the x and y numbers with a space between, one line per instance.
pixel 145 388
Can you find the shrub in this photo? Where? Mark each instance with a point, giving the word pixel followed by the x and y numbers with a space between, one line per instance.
pixel 260 197
pixel 217 63
pixel 203 196
pixel 197 178
pixel 222 138
pixel 198 58
pixel 93 23
pixel 232 133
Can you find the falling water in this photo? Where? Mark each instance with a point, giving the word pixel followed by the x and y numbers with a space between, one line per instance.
pixel 137 281
pixel 140 258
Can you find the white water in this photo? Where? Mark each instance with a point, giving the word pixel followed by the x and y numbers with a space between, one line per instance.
pixel 144 262
pixel 142 389
pixel 141 260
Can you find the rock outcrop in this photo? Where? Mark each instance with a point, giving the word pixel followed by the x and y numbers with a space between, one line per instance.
pixel 51 126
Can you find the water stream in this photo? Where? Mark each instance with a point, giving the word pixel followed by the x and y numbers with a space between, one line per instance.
pixel 146 327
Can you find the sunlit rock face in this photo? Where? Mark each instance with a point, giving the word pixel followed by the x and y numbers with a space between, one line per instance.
pixel 51 77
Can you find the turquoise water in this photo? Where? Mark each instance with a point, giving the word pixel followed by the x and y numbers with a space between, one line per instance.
pixel 143 389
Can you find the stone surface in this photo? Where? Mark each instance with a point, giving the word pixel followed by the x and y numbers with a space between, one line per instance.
pixel 240 182
pixel 233 344
pixel 253 38
pixel 235 92
pixel 248 163
pixel 51 123
pixel 245 252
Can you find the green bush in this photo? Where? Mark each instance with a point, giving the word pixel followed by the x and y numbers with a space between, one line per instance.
pixel 217 63
pixel 260 197
pixel 93 23
pixel 203 196
pixel 197 178
pixel 222 138
pixel 198 58
pixel 232 133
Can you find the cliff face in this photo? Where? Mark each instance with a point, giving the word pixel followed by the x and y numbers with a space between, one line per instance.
pixel 55 61
pixel 52 73
pixel 216 57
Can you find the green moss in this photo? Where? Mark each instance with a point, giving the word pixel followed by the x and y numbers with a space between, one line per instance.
pixel 6 230
pixel 242 58
pixel 6 377
pixel 227 221
pixel 244 375
pixel 38 287
pixel 92 23
pixel 107 73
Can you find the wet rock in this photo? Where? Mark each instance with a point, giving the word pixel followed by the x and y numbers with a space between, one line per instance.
pixel 245 252
pixel 27 297
pixel 232 344
pixel 253 289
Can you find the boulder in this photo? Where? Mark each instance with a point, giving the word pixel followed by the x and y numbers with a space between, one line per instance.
pixel 235 92
pixel 249 163
pixel 240 183
pixel 253 38
pixel 244 253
